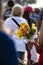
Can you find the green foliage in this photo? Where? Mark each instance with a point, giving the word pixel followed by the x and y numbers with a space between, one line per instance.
pixel 21 62
pixel 29 1
pixel 29 35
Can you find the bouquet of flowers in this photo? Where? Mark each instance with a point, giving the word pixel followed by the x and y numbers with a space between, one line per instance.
pixel 25 31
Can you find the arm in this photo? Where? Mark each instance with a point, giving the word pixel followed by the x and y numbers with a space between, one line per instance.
pixel 28 58
pixel 39 47
pixel 41 36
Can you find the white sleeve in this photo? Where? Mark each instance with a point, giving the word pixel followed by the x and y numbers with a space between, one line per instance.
pixel 9 24
pixel 24 21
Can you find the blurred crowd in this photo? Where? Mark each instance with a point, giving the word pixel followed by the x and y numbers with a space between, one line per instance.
pixel 12 49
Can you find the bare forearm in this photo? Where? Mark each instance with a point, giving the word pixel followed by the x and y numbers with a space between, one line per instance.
pixel 38 48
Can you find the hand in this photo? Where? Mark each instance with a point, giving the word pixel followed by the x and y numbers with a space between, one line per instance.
pixel 30 44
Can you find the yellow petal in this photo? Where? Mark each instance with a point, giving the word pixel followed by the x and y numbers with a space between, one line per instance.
pixel 17 31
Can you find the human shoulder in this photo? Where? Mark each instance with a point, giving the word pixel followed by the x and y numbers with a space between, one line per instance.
pixel 8 19
pixel 8 23
pixel 20 19
pixel 24 20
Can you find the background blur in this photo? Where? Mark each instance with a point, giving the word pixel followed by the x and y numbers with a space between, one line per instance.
pixel 33 3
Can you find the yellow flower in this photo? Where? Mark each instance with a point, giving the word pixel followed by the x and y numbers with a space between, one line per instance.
pixel 23 30
pixel 33 26
pixel 19 36
pixel 24 27
pixel 19 33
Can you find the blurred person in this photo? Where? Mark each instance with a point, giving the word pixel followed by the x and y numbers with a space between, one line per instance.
pixel 30 52
pixel 8 9
pixel 40 62
pixel 39 46
pixel 8 54
pixel 28 15
pixel 29 9
pixel 36 13
pixel 10 25
pixel 40 19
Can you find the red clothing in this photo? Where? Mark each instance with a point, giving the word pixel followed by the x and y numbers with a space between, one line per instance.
pixel 40 62
pixel 28 57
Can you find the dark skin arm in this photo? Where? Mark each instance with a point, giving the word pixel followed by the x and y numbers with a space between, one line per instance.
pixel 39 47
pixel 41 36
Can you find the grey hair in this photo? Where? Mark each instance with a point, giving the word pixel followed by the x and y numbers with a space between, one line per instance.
pixel 17 10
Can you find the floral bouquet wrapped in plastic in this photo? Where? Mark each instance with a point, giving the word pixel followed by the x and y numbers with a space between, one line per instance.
pixel 25 31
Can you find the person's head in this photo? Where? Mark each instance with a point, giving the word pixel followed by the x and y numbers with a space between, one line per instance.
pixel 10 3
pixel 25 14
pixel 37 10
pixel 28 9
pixel 17 10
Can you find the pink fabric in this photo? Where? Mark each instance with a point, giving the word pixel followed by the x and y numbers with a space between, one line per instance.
pixel 28 9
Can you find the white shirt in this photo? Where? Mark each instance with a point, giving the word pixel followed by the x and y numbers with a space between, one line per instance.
pixel 20 45
pixel 33 53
